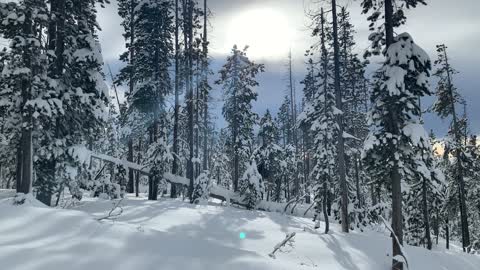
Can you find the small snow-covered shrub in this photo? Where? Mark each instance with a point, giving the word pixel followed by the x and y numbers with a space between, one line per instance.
pixel 202 187
pixel 104 188
pixel 251 186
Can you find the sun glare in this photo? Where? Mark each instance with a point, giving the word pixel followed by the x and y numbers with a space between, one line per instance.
pixel 267 32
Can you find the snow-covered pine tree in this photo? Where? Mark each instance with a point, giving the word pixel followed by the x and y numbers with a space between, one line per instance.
pixel 424 182
pixel 126 10
pixel 304 125
pixel 445 106
pixel 285 121
pixel 319 114
pixel 473 187
pixel 397 138
pixel 221 167
pixel 201 192
pixel 268 157
pixel 152 47
pixel 251 186
pixel 388 114
pixel 237 78
pixel 82 87
pixel 296 190
pixel 355 95
pixel 339 115
pixel 25 80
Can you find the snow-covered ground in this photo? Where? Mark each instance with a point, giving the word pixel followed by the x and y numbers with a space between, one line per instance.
pixel 171 234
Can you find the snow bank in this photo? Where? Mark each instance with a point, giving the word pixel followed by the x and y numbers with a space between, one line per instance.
pixel 20 199
pixel 173 235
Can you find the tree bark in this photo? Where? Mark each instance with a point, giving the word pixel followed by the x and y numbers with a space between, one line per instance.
pixel 447 233
pixel 188 18
pixel 426 220
pixel 173 187
pixel 324 206
pixel 341 142
pixel 205 88
pixel 25 162
pixel 139 160
pixel 130 183
pixel 296 190
pixel 397 222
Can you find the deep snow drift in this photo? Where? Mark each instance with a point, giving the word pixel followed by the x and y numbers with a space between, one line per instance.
pixel 170 234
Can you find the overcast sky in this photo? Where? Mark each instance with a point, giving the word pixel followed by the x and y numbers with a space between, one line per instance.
pixel 272 27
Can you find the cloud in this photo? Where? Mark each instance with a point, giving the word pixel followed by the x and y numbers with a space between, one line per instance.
pixel 455 23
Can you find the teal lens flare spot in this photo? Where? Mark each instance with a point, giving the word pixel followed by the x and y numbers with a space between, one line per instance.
pixel 243 235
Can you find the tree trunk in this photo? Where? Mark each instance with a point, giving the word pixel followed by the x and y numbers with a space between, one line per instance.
pixel 395 176
pixel 426 220
pixel 340 143
pixel 324 206
pixel 278 189
pixel 397 218
pixel 25 161
pixel 130 184
pixel 357 180
pixel 205 88
pixel 197 120
pixel 153 179
pixel 447 233
pixel 296 190
pixel 139 160
pixel 188 18
pixel 173 188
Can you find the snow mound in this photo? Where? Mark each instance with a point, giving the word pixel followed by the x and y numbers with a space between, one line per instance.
pixel 21 199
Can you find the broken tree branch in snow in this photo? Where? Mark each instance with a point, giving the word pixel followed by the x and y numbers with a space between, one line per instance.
pixel 308 209
pixel 294 200
pixel 402 257
pixel 111 214
pixel 288 239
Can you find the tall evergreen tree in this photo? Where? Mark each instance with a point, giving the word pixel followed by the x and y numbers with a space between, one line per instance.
pixel 237 78
pixel 394 102
pixel 445 106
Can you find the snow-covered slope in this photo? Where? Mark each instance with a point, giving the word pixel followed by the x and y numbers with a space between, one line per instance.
pixel 171 234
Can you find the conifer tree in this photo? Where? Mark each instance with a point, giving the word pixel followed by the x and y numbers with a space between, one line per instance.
pixel 390 102
pixel 445 106
pixel 237 78
pixel 268 156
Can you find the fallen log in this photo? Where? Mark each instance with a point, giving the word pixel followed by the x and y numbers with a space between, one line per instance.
pixel 288 239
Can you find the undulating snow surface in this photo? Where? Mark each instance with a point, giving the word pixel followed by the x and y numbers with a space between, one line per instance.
pixel 170 234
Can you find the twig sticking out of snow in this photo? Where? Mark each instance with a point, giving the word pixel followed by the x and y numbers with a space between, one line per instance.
pixel 111 215
pixel 403 256
pixel 288 239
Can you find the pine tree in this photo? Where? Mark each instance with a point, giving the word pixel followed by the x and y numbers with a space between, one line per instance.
pixel 285 121
pixel 24 75
pixel 390 102
pixel 221 167
pixel 340 123
pixel 237 78
pixel 149 58
pixel 319 114
pixel 355 94
pixel 251 186
pixel 445 106
pixel 126 10
pixel 268 157
pixel 396 145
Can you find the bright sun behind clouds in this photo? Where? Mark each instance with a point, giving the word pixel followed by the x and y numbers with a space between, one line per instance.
pixel 267 32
